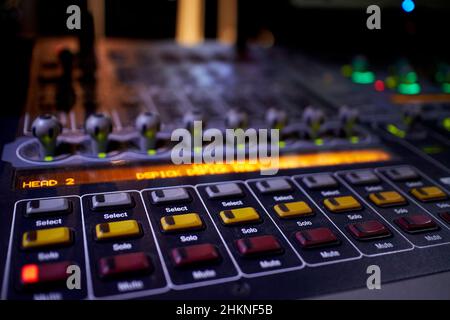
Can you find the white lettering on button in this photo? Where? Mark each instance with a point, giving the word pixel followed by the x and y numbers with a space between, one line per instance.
pixel 48 296
pixel 383 246
pixel 435 237
pixel 354 216
pixel 249 230
pixel 283 198
pixel 176 209
pixel 232 203
pixel 122 246
pixel 374 188
pixel 115 216
pixel 47 256
pixel 304 223
pixel 330 193
pixel 414 184
pixel 401 211
pixel 190 238
pixel 46 223
pixel 330 254
pixel 199 275
pixel 443 205
pixel 124 286
pixel 270 264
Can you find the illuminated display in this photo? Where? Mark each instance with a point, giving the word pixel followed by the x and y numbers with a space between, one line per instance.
pixel 165 171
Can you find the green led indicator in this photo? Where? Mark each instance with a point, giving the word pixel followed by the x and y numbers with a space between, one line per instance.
pixel 318 142
pixel 366 77
pixel 102 155
pixel 446 124
pixel 396 131
pixel 409 88
pixel 48 159
pixel 151 152
pixel 411 77
pixel 446 87
pixel 282 144
pixel 354 140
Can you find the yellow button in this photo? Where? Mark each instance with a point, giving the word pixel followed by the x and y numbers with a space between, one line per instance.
pixel 428 193
pixel 181 222
pixel 347 203
pixel 387 198
pixel 237 216
pixel 46 238
pixel 292 209
pixel 119 229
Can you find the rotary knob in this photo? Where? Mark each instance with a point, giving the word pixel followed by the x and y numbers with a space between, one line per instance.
pixel 148 124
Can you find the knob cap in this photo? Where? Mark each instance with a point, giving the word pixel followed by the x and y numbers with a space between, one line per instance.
pixel 276 118
pixel 191 117
pixel 348 118
pixel 314 119
pixel 46 129
pixel 99 126
pixel 236 119
pixel 148 124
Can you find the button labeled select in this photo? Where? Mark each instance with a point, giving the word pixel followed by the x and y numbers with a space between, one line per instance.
pixel 239 216
pixel 116 230
pixel 48 207
pixel 273 186
pixel 181 222
pixel 168 196
pixel 61 236
pixel 120 200
pixel 222 191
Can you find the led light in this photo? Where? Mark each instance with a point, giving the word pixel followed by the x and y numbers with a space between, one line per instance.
pixel 391 82
pixel 354 140
pixel 282 144
pixel 319 142
pixel 446 124
pixel 446 87
pixel 48 159
pixel 151 152
pixel 411 77
pixel 366 77
pixel 102 155
pixel 379 85
pixel 396 131
pixel 30 274
pixel 408 5
pixel 409 88
pixel 347 71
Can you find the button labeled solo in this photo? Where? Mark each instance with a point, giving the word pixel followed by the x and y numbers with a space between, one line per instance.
pixel 47 238
pixel 239 216
pixel 293 209
pixel 181 222
pixel 116 230
pixel 340 204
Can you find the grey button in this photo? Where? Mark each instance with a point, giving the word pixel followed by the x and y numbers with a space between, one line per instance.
pixel 112 201
pixel 170 195
pixel 362 177
pixel 402 174
pixel 225 190
pixel 48 206
pixel 320 181
pixel 273 185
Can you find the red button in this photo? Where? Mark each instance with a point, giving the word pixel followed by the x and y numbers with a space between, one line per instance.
pixel 129 263
pixel 416 223
pixel 446 217
pixel 316 237
pixel 35 274
pixel 369 230
pixel 195 254
pixel 258 245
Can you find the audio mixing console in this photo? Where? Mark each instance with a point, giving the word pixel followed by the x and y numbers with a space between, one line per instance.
pixel 88 181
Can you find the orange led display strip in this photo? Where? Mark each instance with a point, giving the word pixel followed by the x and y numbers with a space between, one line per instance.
pixel 164 171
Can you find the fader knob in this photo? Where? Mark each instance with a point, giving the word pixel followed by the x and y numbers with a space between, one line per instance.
pixel 148 124
pixel 236 119
pixel 348 118
pixel 99 126
pixel 411 116
pixel 191 117
pixel 276 118
pixel 46 129
pixel 313 118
